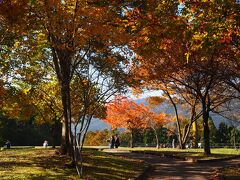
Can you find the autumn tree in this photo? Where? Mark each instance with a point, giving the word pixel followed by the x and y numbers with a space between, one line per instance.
pixel 120 115
pixel 127 114
pixel 183 106
pixel 7 39
pixel 23 71
pixel 191 42
pixel 46 101
pixel 212 44
pixel 154 121
pixel 91 90
pixel 72 33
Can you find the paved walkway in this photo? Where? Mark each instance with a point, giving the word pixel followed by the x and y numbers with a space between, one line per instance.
pixel 169 168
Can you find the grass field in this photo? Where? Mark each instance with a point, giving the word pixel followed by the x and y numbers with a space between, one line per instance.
pixel 217 153
pixel 38 163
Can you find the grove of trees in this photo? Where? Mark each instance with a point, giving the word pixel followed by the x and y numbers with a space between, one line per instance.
pixel 63 61
pixel 224 136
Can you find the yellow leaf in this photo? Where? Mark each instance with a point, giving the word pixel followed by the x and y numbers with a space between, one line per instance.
pixel 187 56
pixel 17 44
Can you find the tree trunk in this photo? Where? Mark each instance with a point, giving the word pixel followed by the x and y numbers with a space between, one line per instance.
pixel 234 137
pixel 54 133
pixel 62 64
pixel 177 120
pixel 131 139
pixel 206 132
pixel 65 144
pixel 157 138
pixel 186 131
pixel 195 134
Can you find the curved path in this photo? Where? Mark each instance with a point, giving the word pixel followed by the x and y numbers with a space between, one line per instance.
pixel 169 168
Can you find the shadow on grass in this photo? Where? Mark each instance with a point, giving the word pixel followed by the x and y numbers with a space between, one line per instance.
pixel 12 163
pixel 34 164
pixel 110 166
pixel 46 164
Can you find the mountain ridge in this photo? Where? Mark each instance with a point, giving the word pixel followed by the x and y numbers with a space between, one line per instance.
pixel 99 125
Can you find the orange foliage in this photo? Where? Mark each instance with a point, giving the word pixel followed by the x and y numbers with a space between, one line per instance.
pixel 127 114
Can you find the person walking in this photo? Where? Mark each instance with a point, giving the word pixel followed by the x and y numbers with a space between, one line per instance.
pixel 112 142
pixel 117 141
pixel 8 144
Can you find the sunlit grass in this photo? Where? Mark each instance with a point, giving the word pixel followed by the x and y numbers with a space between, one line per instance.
pixel 39 163
pixel 217 153
pixel 33 163
pixel 112 167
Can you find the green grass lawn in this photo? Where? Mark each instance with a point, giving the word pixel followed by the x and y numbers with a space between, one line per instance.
pixel 194 153
pixel 39 163
pixel 217 153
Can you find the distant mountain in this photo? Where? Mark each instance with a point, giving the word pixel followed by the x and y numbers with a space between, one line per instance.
pixel 168 109
pixel 98 124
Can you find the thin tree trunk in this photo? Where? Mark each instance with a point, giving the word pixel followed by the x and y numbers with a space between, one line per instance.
pixel 70 133
pixel 186 131
pixel 234 138
pixel 195 134
pixel 54 132
pixel 131 139
pixel 206 132
pixel 157 138
pixel 177 120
